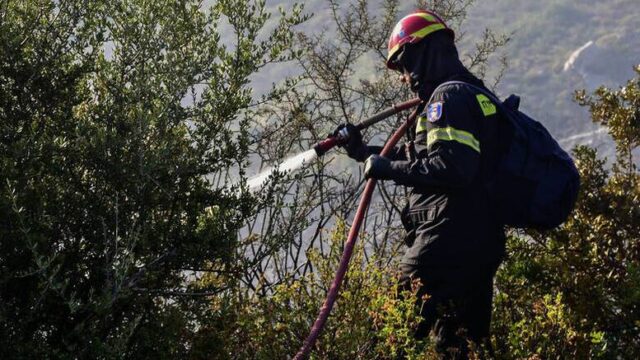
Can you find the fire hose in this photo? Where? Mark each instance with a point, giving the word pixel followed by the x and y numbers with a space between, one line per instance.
pixel 365 199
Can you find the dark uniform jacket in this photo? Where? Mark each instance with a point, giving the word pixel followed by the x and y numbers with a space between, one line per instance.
pixel 449 219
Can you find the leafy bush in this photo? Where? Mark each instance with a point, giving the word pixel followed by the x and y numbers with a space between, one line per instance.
pixel 372 318
pixel 116 119
pixel 573 292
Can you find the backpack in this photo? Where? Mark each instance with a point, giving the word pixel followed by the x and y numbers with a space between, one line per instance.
pixel 536 183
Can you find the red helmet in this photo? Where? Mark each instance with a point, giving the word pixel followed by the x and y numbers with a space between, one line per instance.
pixel 410 30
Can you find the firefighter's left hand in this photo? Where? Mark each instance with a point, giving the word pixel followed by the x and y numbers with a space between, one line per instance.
pixel 378 167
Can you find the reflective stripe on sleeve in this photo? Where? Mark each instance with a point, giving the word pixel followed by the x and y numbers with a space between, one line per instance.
pixel 422 124
pixel 451 134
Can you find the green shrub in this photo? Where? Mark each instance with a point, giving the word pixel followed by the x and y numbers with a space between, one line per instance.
pixel 371 318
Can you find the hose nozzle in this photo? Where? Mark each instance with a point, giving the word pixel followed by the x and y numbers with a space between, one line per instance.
pixel 325 145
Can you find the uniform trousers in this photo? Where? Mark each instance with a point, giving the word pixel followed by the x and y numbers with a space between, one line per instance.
pixel 455 304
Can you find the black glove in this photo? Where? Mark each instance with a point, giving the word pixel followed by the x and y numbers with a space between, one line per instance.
pixel 350 139
pixel 378 167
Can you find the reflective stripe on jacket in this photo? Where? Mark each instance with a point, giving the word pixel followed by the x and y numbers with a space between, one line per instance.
pixel 449 217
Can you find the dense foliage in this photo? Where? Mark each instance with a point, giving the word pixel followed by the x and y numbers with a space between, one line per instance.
pixel 117 121
pixel 373 318
pixel 575 292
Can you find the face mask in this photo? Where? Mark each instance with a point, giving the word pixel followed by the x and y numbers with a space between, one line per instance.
pixel 407 61
pixel 415 83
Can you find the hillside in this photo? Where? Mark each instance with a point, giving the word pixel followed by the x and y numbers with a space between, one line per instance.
pixel 544 35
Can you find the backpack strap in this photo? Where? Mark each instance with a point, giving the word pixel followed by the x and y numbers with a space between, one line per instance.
pixel 508 108
pixel 489 94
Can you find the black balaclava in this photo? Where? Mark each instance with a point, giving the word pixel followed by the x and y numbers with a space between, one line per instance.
pixel 433 61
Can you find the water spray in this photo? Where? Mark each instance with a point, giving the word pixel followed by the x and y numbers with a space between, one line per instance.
pixel 305 158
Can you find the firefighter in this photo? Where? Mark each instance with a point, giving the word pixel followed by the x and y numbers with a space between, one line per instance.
pixel 454 241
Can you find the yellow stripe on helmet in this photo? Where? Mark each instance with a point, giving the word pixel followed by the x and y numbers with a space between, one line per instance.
pixel 452 134
pixel 428 30
pixel 426 16
pixel 418 34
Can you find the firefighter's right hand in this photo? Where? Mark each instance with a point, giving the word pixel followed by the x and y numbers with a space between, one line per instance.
pixel 350 138
pixel 346 133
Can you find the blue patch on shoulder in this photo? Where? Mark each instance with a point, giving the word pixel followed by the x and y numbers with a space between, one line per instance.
pixel 434 112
